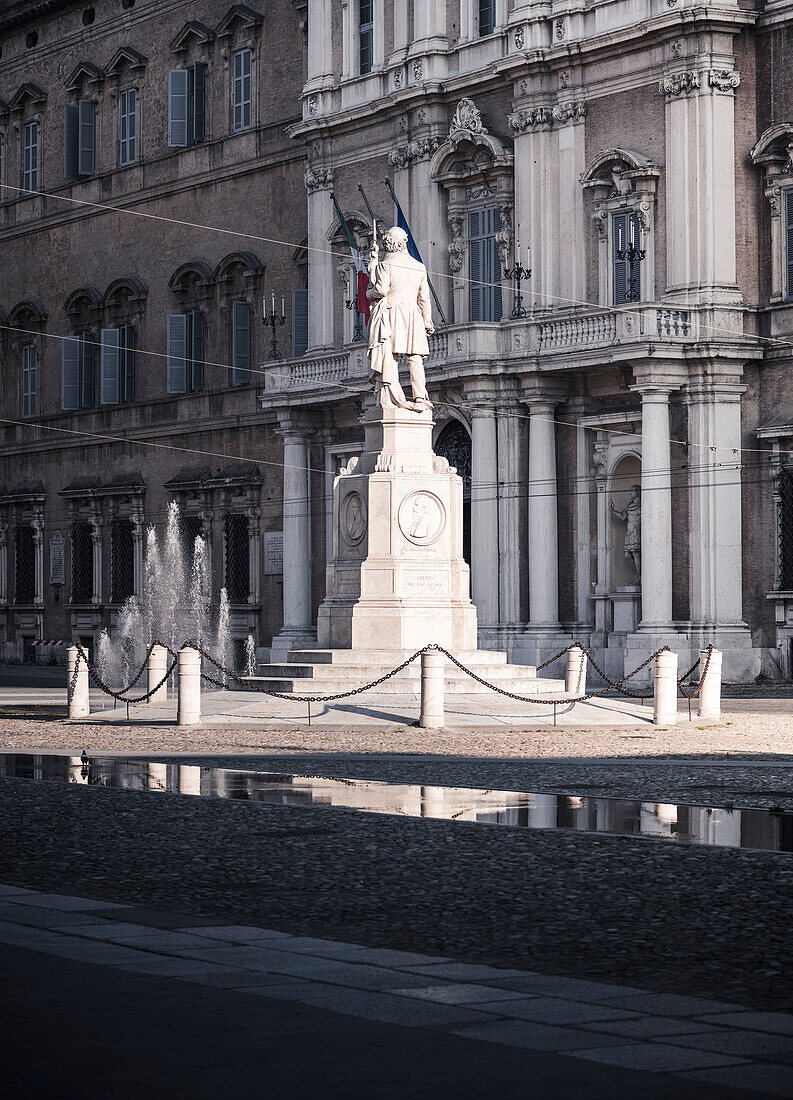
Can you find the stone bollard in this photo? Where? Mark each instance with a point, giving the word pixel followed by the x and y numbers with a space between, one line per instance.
pixel 575 677
pixel 79 706
pixel 665 689
pixel 189 709
pixel 433 670
pixel 158 666
pixel 710 693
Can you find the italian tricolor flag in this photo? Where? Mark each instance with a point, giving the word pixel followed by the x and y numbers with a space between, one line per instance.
pixel 362 303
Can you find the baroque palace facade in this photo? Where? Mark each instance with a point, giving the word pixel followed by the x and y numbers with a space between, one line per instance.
pixel 638 158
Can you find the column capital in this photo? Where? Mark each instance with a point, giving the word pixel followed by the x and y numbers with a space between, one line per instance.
pixel 294 424
pixel 540 396
pixel 655 392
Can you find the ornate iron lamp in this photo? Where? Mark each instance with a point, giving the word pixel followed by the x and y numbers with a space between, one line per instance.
pixel 357 333
pixel 272 320
pixel 518 274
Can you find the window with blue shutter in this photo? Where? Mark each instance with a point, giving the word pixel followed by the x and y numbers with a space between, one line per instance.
pixel 626 277
pixel 70 374
pixel 177 353
pixel 197 103
pixel 79 139
pixel 29 364
pixel 128 358
pixel 87 154
pixel 110 367
pixel 484 265
pixel 87 370
pixel 789 244
pixel 177 107
pixel 299 322
pixel 240 343
pixel 195 350
pixel 242 89
pixel 366 37
pixel 30 156
pixel 128 126
pixel 487 17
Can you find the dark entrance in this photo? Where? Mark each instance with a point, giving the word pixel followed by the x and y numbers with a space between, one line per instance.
pixel 454 444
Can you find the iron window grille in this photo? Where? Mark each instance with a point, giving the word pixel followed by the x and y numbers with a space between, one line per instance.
pixel 25 564
pixel 122 561
pixel 82 563
pixel 190 528
pixel 786 529
pixel 237 564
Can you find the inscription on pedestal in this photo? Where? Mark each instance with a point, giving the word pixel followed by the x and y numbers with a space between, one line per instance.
pixel 424 583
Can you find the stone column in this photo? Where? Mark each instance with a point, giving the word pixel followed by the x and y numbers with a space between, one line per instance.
pixel 484 511
pixel 3 562
pixel 38 550
pixel 320 46
pixel 97 523
pixel 509 430
pixel 656 509
pixel 136 521
pixel 543 531
pixel 254 553
pixel 319 182
pixel 297 630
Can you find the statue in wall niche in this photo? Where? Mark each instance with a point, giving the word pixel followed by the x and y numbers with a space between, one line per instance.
pixel 400 321
pixel 632 518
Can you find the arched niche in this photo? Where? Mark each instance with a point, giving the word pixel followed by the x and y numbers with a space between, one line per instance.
pixel 453 442
pixel 626 473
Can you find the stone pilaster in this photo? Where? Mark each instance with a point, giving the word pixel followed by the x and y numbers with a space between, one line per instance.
pixel 319 182
pixel 484 510
pixel 656 509
pixel 297 631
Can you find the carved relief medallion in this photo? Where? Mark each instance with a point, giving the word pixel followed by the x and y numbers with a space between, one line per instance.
pixel 422 517
pixel 353 518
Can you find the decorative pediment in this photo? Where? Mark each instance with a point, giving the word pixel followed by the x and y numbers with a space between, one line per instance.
pixel 239 15
pixel 358 222
pixel 195 272
pixel 85 73
pixel 85 297
pixel 127 289
pixel 774 150
pixel 468 152
pixel 28 93
pixel 192 31
pixel 4 108
pixel 617 172
pixel 250 263
pixel 30 309
pixel 126 58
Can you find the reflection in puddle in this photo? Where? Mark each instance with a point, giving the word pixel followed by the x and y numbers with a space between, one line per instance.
pixel 757 829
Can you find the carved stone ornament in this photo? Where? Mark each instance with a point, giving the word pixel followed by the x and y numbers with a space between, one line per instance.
pixel 774 196
pixel 521 121
pixel 318 179
pixel 313 106
pixel 724 80
pixel 467 117
pixel 405 155
pixel 351 465
pixel 504 237
pixel 421 517
pixel 519 38
pixel 418 70
pixel 679 83
pixel 353 518
pixel 457 243
pixel 575 111
pixel 398 78
pixel 559 30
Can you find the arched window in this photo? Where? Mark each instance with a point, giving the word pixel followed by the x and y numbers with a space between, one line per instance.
pixel 192 285
pixel 27 318
pixel 124 301
pixel 239 280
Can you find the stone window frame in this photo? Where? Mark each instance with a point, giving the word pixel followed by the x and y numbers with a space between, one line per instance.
pixel 31 316
pixel 239 277
pixel 25 507
pixel 86 83
pixel 351 40
pixel 85 307
pixel 241 29
pixel 28 105
pixel 620 181
pixel 125 72
pixel 475 169
pixel 99 505
pixel 773 153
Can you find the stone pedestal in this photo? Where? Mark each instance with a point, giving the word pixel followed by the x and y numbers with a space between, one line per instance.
pixel 398 579
pixel 627 603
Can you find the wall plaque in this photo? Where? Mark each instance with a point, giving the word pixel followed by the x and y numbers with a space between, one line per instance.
pixel 273 553
pixel 57 566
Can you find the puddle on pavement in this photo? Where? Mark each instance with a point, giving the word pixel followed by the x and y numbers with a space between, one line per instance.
pixel 719 827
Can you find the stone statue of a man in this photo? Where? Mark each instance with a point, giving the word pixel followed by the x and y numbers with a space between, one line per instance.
pixel 632 517
pixel 400 321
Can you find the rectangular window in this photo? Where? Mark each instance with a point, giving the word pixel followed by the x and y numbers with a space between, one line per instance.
pixel 29 362
pixel 299 322
pixel 79 139
pixel 122 561
pixel 24 564
pixel 190 528
pixel 789 244
pixel 187 106
pixel 484 265
pixel 487 17
pixel 786 529
pixel 366 37
pixel 186 352
pixel 128 126
pixel 77 372
pixel 242 89
pixel 237 571
pixel 240 343
pixel 196 96
pixel 82 563
pixel 117 365
pixel 626 276
pixel 2 161
pixel 30 156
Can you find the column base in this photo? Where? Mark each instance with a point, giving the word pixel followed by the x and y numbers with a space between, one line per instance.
pixel 291 638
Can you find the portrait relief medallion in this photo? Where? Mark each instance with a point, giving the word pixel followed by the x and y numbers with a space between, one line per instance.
pixel 422 517
pixel 353 518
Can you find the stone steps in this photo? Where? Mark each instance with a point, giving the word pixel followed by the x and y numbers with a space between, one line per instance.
pixel 462 685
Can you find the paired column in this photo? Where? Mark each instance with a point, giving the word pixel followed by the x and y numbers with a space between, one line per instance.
pixel 509 431
pixel 484 512
pixel 297 626
pixel 543 527
pixel 656 511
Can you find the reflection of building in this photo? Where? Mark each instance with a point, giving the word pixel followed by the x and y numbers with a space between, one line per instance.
pixel 500 128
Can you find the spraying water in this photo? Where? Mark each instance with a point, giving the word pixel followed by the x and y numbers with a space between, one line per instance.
pixel 174 607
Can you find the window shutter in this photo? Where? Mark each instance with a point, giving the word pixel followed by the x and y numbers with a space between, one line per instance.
pixel 299 322
pixel 789 242
pixel 494 265
pixel 87 137
pixel 177 108
pixel 70 374
pixel 87 363
pixel 199 101
pixel 127 372
pixel 240 343
pixel 475 266
pixel 128 126
pixel 110 366
pixel 29 368
pixel 619 240
pixel 177 353
pixel 71 142
pixel 197 349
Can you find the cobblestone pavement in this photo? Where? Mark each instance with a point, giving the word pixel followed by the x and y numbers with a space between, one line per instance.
pixel 126 1001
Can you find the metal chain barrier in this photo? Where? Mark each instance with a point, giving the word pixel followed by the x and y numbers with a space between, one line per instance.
pixel 119 695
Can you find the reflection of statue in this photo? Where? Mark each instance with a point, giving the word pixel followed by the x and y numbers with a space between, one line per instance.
pixel 632 517
pixel 400 321
pixel 355 521
pixel 420 520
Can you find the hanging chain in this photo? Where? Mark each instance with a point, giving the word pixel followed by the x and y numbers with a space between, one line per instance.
pixel 119 695
pixel 698 689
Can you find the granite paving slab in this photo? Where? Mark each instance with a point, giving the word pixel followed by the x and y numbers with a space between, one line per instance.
pixel 658 1057
pixel 778 1022
pixel 766 1080
pixel 461 993
pixel 758 1044
pixel 649 1027
pixel 534 1036
pixel 549 1010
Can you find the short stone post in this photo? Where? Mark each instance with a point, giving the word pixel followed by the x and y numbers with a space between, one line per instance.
pixel 575 677
pixel 433 670
pixel 79 706
pixel 665 689
pixel 189 709
pixel 710 684
pixel 158 666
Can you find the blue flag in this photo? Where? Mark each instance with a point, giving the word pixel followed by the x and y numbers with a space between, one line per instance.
pixel 402 223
